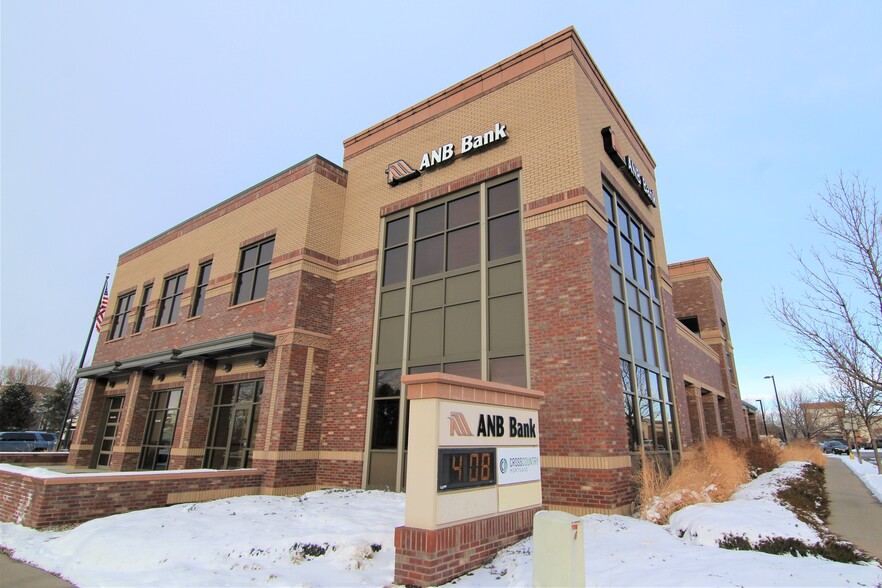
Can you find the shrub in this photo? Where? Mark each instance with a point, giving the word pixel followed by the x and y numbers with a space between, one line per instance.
pixel 830 548
pixel 761 457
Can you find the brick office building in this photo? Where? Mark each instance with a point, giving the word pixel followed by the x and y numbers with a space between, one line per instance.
pixel 505 229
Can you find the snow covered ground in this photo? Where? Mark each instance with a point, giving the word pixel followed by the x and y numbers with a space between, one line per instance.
pixel 345 538
pixel 866 471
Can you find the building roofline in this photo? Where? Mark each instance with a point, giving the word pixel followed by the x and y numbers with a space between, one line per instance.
pixel 682 269
pixel 312 164
pixel 550 50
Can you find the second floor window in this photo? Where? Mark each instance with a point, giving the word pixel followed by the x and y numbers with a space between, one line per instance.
pixel 201 288
pixel 121 316
pixel 253 275
pixel 170 302
pixel 142 308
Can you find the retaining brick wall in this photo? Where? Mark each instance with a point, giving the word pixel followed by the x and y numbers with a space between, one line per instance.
pixel 432 557
pixel 43 502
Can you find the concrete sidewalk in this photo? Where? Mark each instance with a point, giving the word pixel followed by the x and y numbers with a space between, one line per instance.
pixel 855 514
pixel 20 575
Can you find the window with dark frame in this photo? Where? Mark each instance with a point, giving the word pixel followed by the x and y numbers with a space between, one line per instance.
pixel 121 316
pixel 201 289
pixel 253 275
pixel 646 379
pixel 432 282
pixel 142 308
pixel 170 303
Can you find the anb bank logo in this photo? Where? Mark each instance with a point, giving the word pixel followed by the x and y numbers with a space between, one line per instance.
pixel 459 426
pixel 400 171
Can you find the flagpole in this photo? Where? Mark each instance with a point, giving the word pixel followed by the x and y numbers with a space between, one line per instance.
pixel 73 388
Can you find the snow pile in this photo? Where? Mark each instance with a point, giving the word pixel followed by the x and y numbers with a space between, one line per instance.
pixel 621 551
pixel 866 471
pixel 707 523
pixel 345 538
pixel 320 539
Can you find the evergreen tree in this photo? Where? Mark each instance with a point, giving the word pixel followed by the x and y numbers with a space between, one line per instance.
pixel 54 406
pixel 16 407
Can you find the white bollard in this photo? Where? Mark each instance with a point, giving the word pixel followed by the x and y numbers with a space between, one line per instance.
pixel 558 550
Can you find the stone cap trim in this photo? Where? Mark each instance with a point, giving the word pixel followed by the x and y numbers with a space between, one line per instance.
pixel 693 268
pixel 463 389
pixel 581 511
pixel 123 477
pixel 586 462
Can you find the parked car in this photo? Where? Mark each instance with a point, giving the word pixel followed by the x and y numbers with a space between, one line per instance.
pixel 27 441
pixel 835 446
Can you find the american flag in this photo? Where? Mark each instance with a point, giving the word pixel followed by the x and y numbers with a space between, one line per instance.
pixel 99 316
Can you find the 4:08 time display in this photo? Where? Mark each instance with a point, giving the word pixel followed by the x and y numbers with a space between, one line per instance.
pixel 466 468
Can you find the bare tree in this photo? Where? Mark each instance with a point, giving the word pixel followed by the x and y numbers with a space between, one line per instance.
pixel 837 319
pixel 807 416
pixel 27 372
pixel 65 368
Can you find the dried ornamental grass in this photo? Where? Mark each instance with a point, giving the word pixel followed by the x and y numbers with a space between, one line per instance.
pixel 802 450
pixel 707 474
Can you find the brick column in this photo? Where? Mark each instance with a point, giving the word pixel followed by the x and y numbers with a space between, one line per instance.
pixel 127 448
pixel 696 414
pixel 728 416
pixel 285 456
pixel 712 414
pixel 194 417
pixel 83 443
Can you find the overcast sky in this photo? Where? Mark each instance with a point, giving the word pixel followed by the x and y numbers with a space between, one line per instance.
pixel 121 119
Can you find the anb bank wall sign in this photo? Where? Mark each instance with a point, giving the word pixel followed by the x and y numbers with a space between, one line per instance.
pixel 472 425
pixel 400 171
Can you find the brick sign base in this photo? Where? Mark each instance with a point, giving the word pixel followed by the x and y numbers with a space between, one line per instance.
pixel 433 557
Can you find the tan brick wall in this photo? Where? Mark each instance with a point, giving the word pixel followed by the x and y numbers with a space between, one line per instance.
pixel 540 117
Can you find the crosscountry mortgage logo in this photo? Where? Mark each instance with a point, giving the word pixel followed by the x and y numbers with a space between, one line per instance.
pixel 459 426
pixel 400 171
pixel 503 465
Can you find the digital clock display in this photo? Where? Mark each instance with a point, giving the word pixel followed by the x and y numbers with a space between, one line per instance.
pixel 466 468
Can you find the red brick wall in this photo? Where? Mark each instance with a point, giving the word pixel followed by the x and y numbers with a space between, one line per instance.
pixel 218 320
pixel 344 414
pixel 43 502
pixel 574 360
pixel 349 361
pixel 432 558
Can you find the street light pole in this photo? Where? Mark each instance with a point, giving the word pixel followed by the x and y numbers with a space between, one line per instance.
pixel 764 416
pixel 780 414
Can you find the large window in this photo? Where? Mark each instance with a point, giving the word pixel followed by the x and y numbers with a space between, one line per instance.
pixel 142 308
pixel 451 300
pixel 253 275
pixel 646 379
pixel 161 421
pixel 121 316
pixel 233 422
pixel 201 289
pixel 170 303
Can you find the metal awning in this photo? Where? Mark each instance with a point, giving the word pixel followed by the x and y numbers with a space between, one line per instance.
pixel 233 345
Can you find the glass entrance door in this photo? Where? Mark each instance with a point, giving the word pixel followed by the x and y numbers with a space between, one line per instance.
pixel 233 422
pixel 107 431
